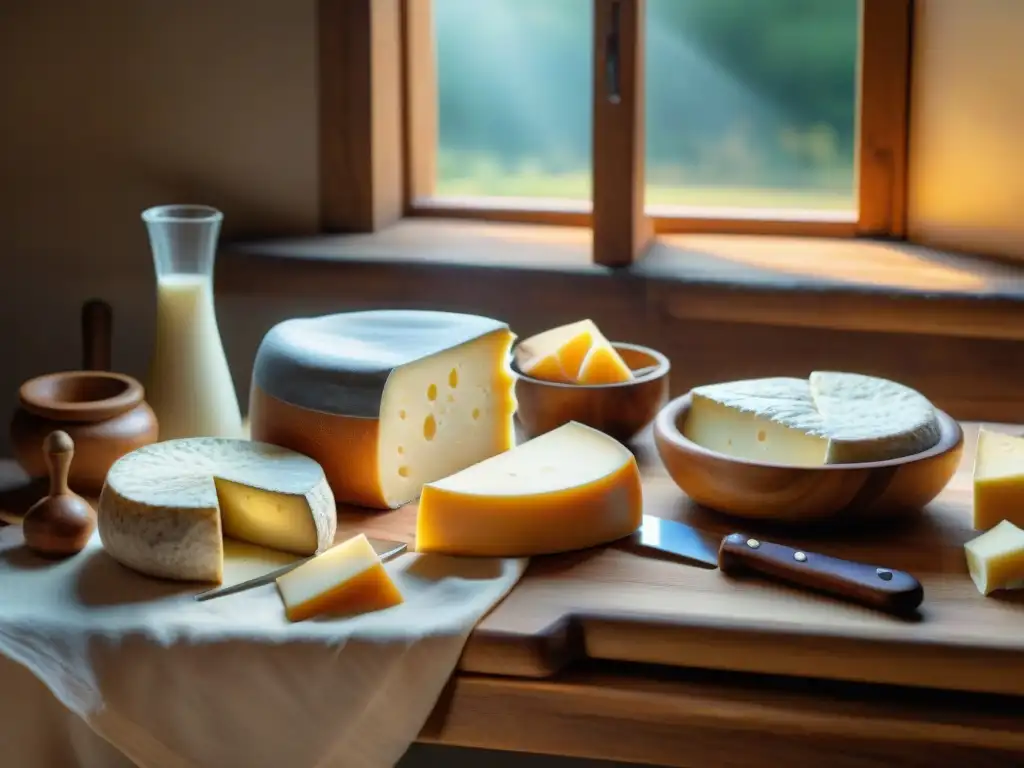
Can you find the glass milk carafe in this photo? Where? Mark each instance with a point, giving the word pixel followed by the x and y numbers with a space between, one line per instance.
pixel 189 386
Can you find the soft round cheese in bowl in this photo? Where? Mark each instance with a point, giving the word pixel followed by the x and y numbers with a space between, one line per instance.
pixel 833 445
pixel 166 508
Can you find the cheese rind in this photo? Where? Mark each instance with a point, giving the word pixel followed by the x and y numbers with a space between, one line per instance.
pixel 346 579
pixel 995 559
pixel 386 401
pixel 833 418
pixel 571 488
pixel 998 479
pixel 165 508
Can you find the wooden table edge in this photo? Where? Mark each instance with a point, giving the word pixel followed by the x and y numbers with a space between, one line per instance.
pixel 673 718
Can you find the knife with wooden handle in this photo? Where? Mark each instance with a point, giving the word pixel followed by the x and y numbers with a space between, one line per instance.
pixel 885 589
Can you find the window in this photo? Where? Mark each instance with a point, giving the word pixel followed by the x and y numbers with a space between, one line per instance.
pixel 629 116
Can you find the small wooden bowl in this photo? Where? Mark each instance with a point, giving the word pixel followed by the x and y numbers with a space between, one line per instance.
pixel 618 410
pixel 779 493
pixel 105 415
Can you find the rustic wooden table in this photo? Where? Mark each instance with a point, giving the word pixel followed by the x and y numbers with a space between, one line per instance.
pixel 608 655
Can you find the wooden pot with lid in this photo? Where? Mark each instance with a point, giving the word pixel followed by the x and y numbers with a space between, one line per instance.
pixel 104 413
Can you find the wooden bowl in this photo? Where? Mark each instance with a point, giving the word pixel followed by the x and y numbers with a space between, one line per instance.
pixel 618 410
pixel 834 492
pixel 104 413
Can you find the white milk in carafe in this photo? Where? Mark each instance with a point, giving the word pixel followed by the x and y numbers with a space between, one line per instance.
pixel 190 387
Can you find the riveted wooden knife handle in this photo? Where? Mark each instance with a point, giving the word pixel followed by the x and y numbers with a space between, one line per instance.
pixel 97 327
pixel 882 588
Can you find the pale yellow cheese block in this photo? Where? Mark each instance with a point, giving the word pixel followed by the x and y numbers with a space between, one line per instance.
pixel 569 489
pixel 347 579
pixel 995 559
pixel 998 480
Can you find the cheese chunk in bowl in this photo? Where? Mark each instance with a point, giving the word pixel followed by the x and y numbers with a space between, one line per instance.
pixel 789 448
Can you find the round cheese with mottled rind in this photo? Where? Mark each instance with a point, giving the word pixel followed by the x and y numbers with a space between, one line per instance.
pixel 166 508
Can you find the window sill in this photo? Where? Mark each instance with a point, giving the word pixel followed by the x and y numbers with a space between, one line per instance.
pixel 853 285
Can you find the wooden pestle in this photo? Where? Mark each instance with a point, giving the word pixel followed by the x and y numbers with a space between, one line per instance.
pixel 97 328
pixel 61 523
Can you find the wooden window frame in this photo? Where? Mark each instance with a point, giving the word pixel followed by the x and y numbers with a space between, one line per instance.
pixel 379 130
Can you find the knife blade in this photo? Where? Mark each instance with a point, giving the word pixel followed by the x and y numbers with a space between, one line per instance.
pixel 885 589
pixel 387 550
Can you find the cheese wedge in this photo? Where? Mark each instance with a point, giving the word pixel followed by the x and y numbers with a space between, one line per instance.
pixel 832 418
pixel 556 355
pixel 995 559
pixel 603 365
pixel 165 508
pixel 577 353
pixel 346 580
pixel 568 489
pixel 386 400
pixel 998 479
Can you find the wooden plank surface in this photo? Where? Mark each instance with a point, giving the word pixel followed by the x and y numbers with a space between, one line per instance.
pixel 699 719
pixel 609 604
pixel 613 605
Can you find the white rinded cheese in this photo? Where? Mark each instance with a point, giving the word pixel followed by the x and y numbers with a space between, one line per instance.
pixel 833 418
pixel 571 488
pixel 166 508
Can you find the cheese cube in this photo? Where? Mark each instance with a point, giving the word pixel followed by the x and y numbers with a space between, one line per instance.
pixel 571 488
pixel 998 479
pixel 346 580
pixel 386 400
pixel 995 559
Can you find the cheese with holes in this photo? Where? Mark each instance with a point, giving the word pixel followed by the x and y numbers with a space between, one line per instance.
pixel 577 353
pixel 166 508
pixel 385 400
pixel 571 488
pixel 995 559
pixel 832 418
pixel 998 479
pixel 345 580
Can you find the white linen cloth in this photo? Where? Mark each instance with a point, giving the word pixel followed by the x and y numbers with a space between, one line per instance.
pixel 175 683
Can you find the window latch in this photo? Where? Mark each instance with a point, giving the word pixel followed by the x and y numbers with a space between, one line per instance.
pixel 611 53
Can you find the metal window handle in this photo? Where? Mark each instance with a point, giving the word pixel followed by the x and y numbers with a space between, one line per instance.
pixel 611 53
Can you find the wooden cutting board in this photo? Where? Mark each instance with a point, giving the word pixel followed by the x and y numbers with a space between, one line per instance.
pixel 610 604
pixel 615 605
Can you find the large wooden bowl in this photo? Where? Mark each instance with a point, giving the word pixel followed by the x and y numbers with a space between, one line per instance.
pixel 834 492
pixel 618 410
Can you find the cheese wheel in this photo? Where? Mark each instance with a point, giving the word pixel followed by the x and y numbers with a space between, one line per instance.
pixel 385 400
pixel 165 508
pixel 571 488
pixel 831 418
